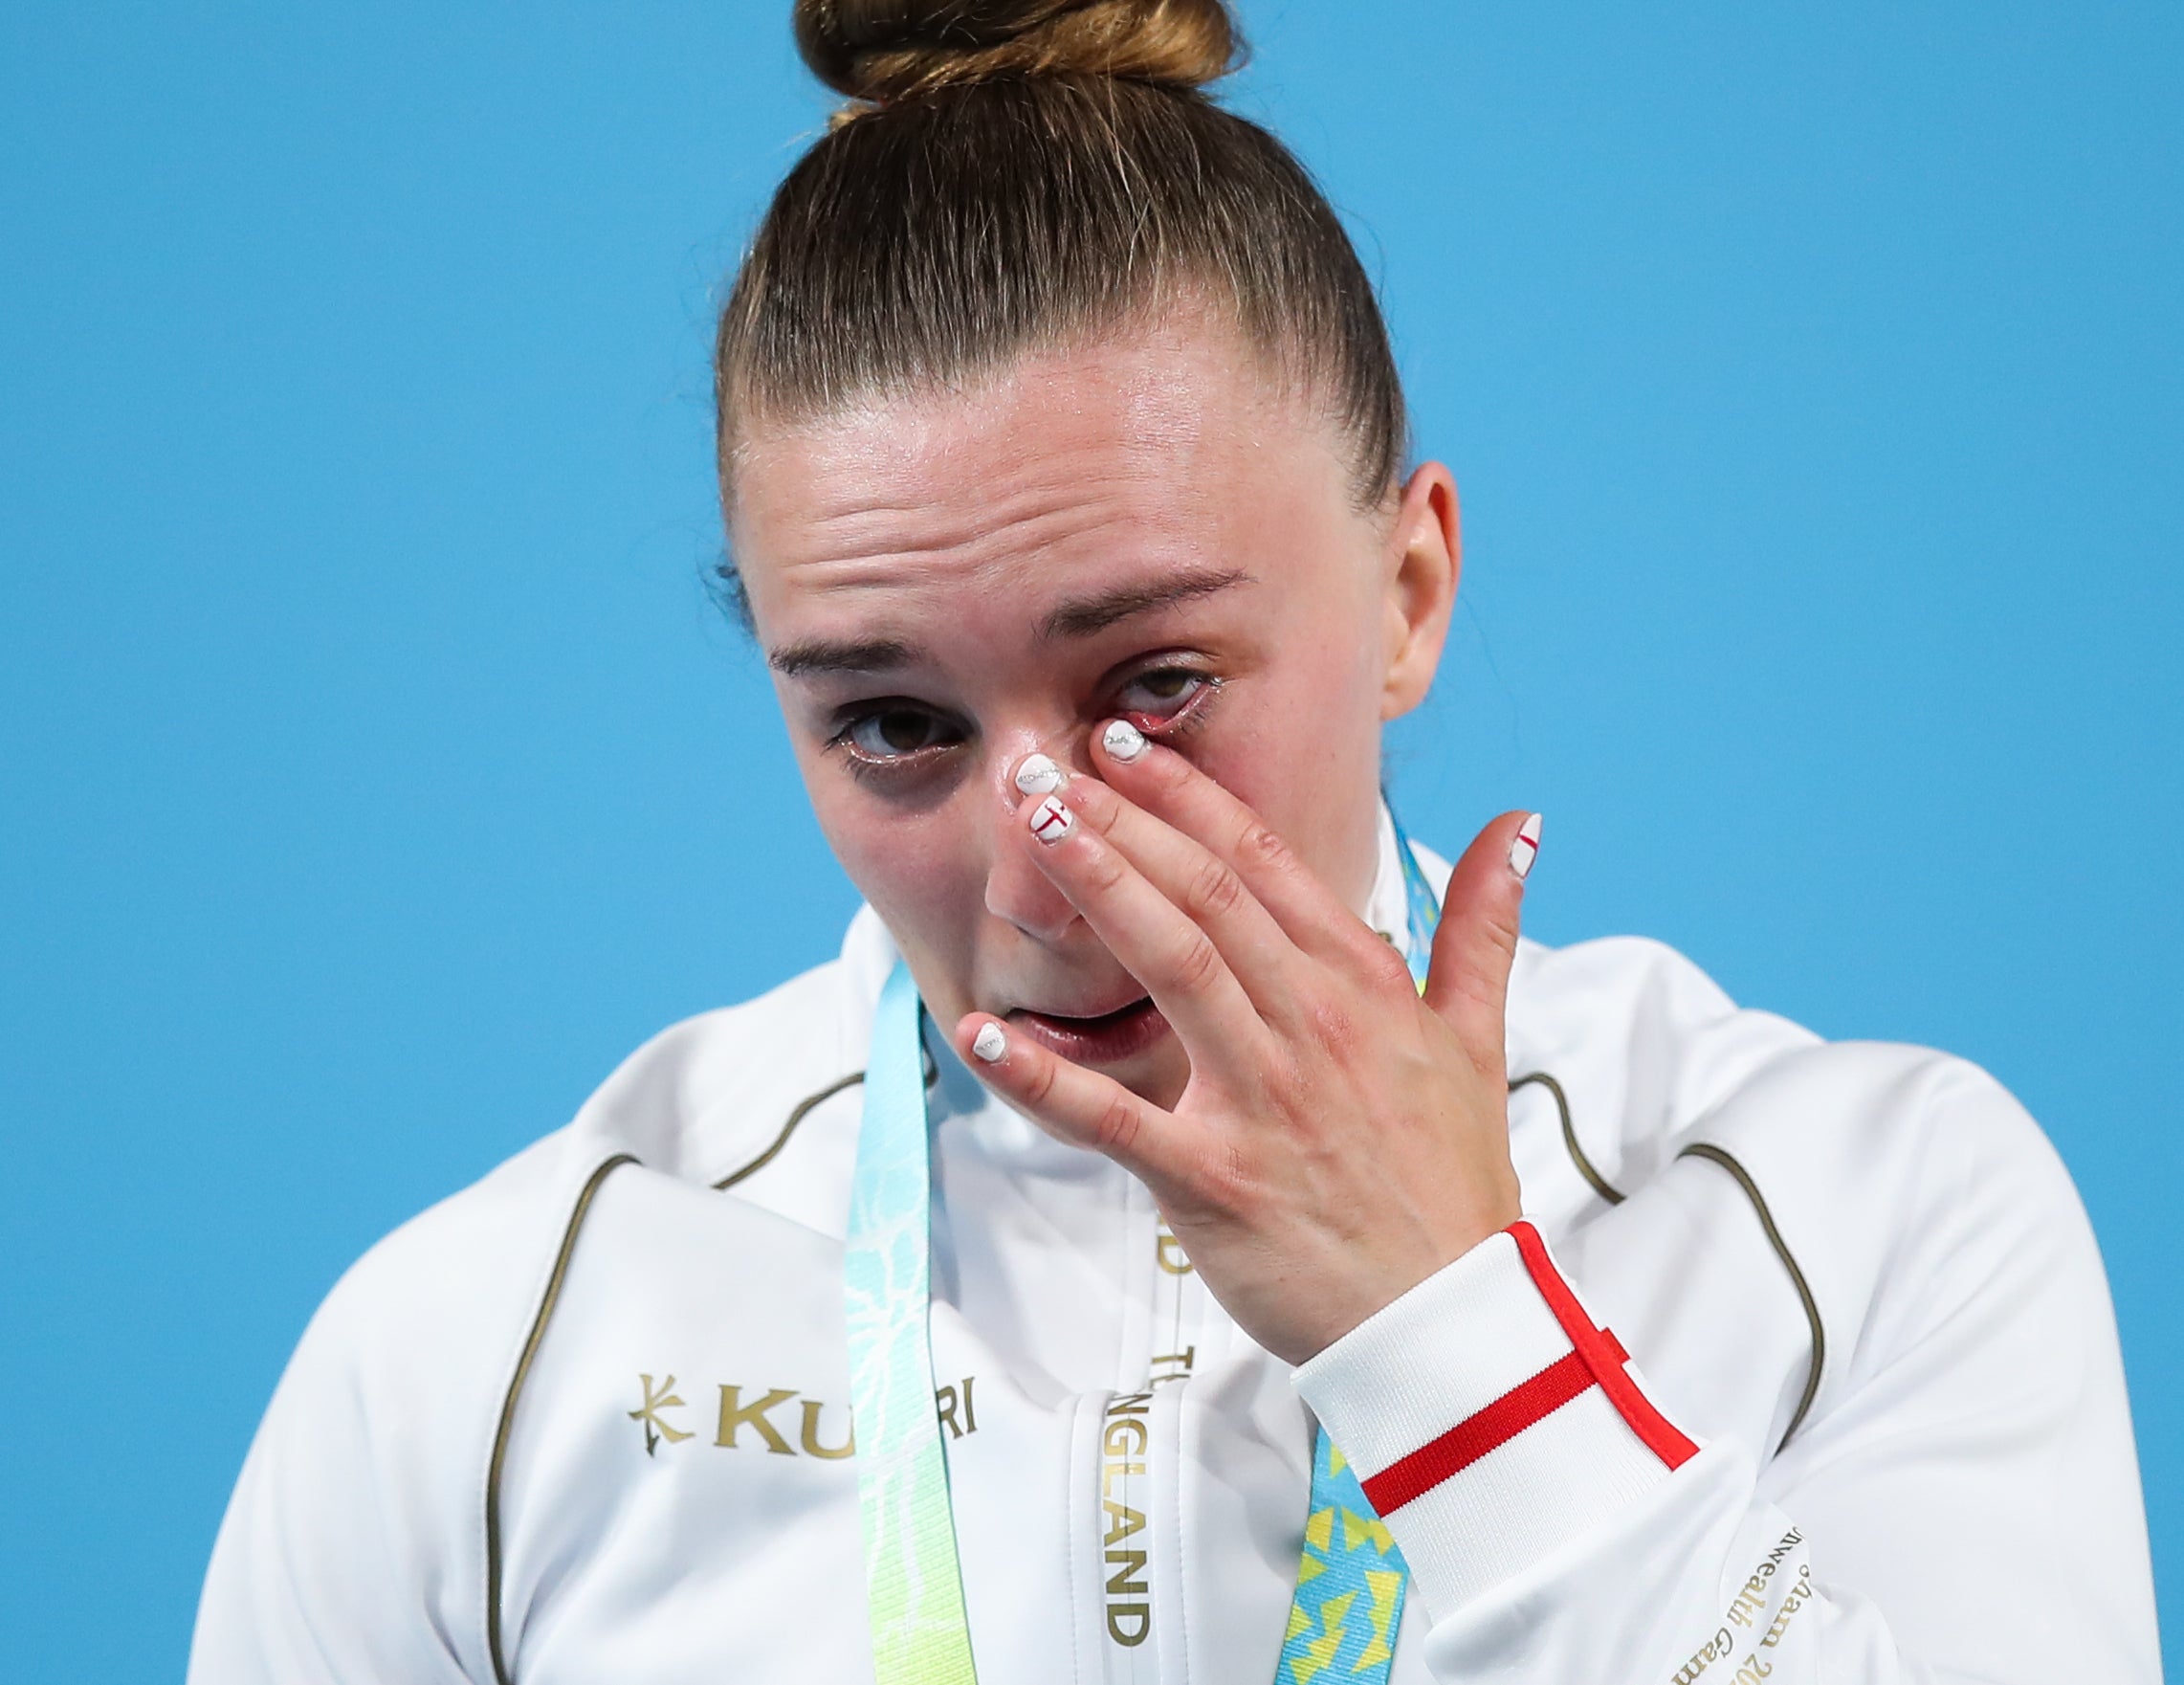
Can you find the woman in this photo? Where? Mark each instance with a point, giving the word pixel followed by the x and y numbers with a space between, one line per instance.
pixel 1185 1235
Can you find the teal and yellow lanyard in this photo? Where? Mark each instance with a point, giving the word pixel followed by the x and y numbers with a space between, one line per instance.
pixel 1348 1602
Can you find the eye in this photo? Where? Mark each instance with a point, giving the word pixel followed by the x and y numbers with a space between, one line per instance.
pixel 893 732
pixel 1163 692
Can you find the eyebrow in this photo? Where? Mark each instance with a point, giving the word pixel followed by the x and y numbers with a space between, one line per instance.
pixel 1080 617
pixel 839 655
pixel 1086 615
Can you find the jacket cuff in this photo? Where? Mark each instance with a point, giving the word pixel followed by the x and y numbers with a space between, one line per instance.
pixel 1489 1418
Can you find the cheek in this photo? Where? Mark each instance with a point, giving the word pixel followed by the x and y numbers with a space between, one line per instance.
pixel 1309 720
pixel 919 870
pixel 1301 748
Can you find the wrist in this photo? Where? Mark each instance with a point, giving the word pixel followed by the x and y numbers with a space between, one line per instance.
pixel 1489 1416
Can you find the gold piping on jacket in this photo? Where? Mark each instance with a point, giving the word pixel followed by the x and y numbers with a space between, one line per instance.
pixel 1599 1182
pixel 1743 1178
pixel 803 1109
pixel 1704 1149
pixel 537 1338
pixel 502 1433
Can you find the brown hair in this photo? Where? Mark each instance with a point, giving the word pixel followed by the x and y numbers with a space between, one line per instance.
pixel 1014 173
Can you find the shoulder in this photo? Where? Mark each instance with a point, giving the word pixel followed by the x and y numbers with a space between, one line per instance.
pixel 1653 1055
pixel 1880 1231
pixel 698 1102
pixel 1875 1192
pixel 388 1409
pixel 702 1099
pixel 362 1484
pixel 1618 1044
pixel 447 1299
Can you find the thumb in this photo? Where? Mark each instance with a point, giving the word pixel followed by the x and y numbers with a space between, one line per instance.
pixel 1468 982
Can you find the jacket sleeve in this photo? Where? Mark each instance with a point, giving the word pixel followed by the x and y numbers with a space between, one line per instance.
pixel 1963 1504
pixel 320 1576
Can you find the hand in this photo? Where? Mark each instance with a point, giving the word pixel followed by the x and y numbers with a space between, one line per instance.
pixel 1340 1138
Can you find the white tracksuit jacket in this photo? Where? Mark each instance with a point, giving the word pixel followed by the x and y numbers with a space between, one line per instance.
pixel 587 1421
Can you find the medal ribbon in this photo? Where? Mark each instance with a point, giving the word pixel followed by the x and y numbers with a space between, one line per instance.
pixel 1351 1578
pixel 914 1584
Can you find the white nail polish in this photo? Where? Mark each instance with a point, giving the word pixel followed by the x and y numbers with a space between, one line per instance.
pixel 1123 740
pixel 1052 821
pixel 989 1044
pixel 1525 850
pixel 1037 775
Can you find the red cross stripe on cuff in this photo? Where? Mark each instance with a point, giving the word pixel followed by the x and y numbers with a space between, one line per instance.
pixel 1596 1360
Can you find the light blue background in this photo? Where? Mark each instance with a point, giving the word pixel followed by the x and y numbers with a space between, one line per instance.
pixel 374 772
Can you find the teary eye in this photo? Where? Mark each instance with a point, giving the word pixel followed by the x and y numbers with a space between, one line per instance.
pixel 1162 690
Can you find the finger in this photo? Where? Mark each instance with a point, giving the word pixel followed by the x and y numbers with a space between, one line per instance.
pixel 1468 983
pixel 1169 787
pixel 1203 887
pixel 1076 1106
pixel 1180 966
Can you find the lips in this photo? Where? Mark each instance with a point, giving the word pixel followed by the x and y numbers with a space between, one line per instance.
pixel 1106 1039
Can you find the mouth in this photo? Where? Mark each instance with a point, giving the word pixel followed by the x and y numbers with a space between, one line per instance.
pixel 1107 1040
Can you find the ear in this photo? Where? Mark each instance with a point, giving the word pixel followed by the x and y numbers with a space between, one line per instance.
pixel 1424 562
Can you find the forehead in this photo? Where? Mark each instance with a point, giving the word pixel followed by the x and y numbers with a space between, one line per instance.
pixel 1166 447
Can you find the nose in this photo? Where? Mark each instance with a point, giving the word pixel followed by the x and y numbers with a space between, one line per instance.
pixel 1016 889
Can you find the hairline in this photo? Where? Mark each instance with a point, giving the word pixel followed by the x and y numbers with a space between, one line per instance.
pixel 1199 303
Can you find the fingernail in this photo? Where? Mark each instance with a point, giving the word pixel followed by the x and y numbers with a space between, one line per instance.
pixel 1525 848
pixel 1052 821
pixel 989 1044
pixel 1037 775
pixel 1123 740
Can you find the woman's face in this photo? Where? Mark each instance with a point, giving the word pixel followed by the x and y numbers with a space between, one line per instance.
pixel 948 581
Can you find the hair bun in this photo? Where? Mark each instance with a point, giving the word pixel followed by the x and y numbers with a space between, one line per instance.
pixel 879 50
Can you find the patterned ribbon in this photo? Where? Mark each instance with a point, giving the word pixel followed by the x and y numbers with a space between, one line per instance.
pixel 1350 1583
pixel 1351 1578
pixel 914 1584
